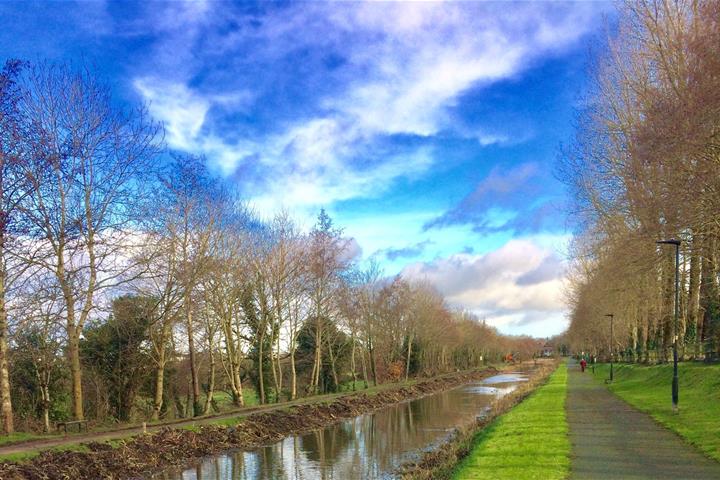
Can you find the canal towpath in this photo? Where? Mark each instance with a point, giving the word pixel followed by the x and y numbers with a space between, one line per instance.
pixel 612 440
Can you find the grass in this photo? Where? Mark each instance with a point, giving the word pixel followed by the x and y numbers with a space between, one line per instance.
pixel 529 442
pixel 224 399
pixel 222 422
pixel 648 388
pixel 348 386
pixel 30 454
pixel 22 437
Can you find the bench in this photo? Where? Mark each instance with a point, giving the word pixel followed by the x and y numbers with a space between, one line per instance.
pixel 79 423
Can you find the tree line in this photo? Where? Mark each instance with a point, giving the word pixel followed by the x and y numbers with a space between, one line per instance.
pixel 645 167
pixel 137 284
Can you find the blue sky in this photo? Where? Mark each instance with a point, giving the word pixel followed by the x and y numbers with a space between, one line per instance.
pixel 428 130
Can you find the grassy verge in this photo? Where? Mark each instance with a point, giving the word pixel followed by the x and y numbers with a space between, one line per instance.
pixel 30 454
pixel 224 400
pixel 528 442
pixel 647 388
pixel 18 437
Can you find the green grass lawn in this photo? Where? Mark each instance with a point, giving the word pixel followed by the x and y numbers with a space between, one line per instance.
pixel 224 399
pixel 30 454
pixel 22 437
pixel 529 442
pixel 648 388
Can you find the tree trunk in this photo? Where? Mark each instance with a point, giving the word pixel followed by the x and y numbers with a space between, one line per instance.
pixel 46 419
pixel 668 286
pixel 233 354
pixel 317 358
pixel 76 371
pixel 197 407
pixel 237 387
pixel 364 370
pixel 211 385
pixel 333 370
pixel 707 291
pixel 373 366
pixel 159 383
pixel 189 407
pixel 693 310
pixel 45 394
pixel 276 384
pixel 352 362
pixel 261 376
pixel 293 374
pixel 5 398
pixel 279 372
pixel 683 308
pixel 407 358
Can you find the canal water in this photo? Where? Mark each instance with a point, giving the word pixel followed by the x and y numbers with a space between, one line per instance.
pixel 371 446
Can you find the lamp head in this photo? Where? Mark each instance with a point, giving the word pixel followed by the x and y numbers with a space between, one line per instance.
pixel 672 241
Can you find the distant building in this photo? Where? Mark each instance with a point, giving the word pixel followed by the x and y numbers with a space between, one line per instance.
pixel 548 350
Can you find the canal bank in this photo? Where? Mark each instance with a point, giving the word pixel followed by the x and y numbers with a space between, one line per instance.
pixel 373 445
pixel 456 455
pixel 143 454
pixel 528 442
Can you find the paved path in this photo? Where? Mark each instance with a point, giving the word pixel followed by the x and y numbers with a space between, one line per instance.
pixel 612 440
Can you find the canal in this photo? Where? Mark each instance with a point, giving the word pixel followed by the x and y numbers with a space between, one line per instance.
pixel 371 446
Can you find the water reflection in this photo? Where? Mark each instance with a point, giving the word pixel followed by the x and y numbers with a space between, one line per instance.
pixel 370 446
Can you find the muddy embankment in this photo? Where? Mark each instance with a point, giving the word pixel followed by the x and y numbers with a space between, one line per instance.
pixel 439 464
pixel 145 454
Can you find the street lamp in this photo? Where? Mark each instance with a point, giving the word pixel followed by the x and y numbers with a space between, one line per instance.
pixel 612 316
pixel 675 242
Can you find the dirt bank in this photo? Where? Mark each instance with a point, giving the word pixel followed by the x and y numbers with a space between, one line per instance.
pixel 438 464
pixel 174 447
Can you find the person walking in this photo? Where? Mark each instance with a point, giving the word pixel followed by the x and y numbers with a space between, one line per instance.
pixel 583 364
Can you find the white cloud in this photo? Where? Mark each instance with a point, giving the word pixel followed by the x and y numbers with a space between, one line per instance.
pixel 433 52
pixel 517 284
pixel 405 64
pixel 181 110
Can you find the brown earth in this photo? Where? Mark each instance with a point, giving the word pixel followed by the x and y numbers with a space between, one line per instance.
pixel 170 447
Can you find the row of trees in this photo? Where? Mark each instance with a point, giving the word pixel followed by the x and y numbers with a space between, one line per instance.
pixel 646 167
pixel 134 282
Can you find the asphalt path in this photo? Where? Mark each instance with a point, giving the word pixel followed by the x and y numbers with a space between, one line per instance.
pixel 612 440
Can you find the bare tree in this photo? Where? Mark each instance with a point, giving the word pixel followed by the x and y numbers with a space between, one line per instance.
pixel 89 162
pixel 12 187
pixel 369 289
pixel 644 167
pixel 324 266
pixel 37 309
pixel 223 294
pixel 283 270
pixel 193 196
pixel 160 261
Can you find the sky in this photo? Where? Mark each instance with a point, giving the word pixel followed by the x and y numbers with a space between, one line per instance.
pixel 429 131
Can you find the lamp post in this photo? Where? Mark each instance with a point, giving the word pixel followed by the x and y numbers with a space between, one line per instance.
pixel 612 317
pixel 675 242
